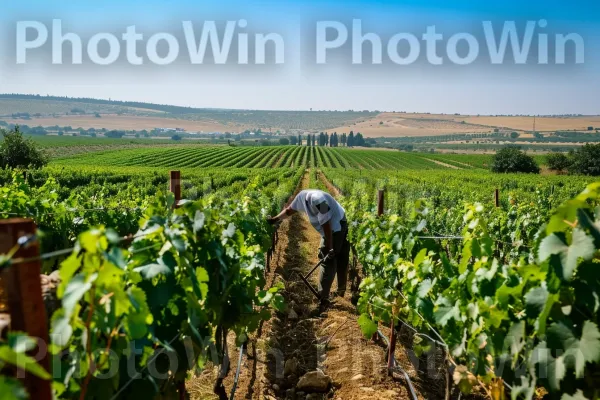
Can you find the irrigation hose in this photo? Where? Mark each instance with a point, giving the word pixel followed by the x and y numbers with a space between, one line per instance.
pixel 237 373
pixel 408 381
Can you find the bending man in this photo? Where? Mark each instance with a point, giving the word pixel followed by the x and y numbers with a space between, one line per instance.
pixel 328 217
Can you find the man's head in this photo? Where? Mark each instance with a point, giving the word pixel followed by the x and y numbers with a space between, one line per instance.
pixel 317 200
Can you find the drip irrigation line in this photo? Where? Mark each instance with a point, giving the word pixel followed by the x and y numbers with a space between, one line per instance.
pixel 237 373
pixel 397 366
pixel 428 324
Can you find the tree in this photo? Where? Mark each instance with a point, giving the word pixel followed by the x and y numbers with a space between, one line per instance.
pixel 115 134
pixel 176 137
pixel 586 160
pixel 514 135
pixel 19 152
pixel 558 161
pixel 299 140
pixel 293 140
pixel 512 159
pixel 350 140
pixel 359 140
pixel 284 141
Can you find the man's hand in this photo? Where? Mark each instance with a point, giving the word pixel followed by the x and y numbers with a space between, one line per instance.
pixel 330 255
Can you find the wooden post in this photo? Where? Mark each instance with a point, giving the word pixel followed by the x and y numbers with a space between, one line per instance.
pixel 392 348
pixel 380 202
pixel 24 294
pixel 497 197
pixel 175 186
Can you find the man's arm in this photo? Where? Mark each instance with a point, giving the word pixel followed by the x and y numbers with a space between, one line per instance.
pixel 328 236
pixel 286 212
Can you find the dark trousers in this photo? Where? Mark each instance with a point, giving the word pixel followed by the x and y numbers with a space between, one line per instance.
pixel 336 266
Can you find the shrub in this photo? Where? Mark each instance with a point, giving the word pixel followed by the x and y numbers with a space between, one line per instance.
pixel 586 160
pixel 19 152
pixel 284 141
pixel 512 159
pixel 176 137
pixel 514 135
pixel 558 161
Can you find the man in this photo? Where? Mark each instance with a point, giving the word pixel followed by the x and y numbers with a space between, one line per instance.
pixel 328 217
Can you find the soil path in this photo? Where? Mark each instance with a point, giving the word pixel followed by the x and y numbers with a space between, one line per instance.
pixel 332 343
pixel 441 163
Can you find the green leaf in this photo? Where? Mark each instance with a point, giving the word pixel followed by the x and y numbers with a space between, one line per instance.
pixel 151 270
pixel 424 288
pixel 61 328
pixel 199 219
pixel 23 361
pixel 12 389
pixel 420 257
pixel 582 246
pixel 75 290
pixel 514 338
pixel 139 316
pixel 230 231
pixel 367 326
pixel 20 342
pixel 577 396
pixel 577 352
pixel 535 301
pixel 443 314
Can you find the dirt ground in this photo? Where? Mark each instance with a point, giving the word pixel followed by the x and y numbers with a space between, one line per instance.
pixel 332 342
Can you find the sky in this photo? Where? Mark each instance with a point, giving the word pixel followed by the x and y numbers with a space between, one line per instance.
pixel 299 82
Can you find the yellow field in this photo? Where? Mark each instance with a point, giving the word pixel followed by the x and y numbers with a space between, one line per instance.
pixel 400 124
pixel 383 125
pixel 542 124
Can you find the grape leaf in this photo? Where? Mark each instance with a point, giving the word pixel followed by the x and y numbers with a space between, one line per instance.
pixel 75 290
pixel 367 326
pixel 151 270
pixel 445 313
pixel 535 301
pixel 12 389
pixel 582 246
pixel 577 396
pixel 23 361
pixel 577 352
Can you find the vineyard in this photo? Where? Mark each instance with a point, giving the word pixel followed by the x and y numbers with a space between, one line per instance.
pixel 488 280
pixel 254 157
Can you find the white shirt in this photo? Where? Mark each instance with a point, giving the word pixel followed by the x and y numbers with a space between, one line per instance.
pixel 305 202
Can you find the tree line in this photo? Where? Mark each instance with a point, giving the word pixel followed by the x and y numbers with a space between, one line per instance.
pixel 333 140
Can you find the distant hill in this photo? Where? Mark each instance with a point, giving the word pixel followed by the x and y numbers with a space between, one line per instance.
pixel 32 107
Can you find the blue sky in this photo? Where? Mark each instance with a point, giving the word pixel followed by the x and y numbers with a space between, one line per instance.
pixel 479 88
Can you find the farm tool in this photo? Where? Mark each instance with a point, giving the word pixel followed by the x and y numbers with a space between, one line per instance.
pixel 307 283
